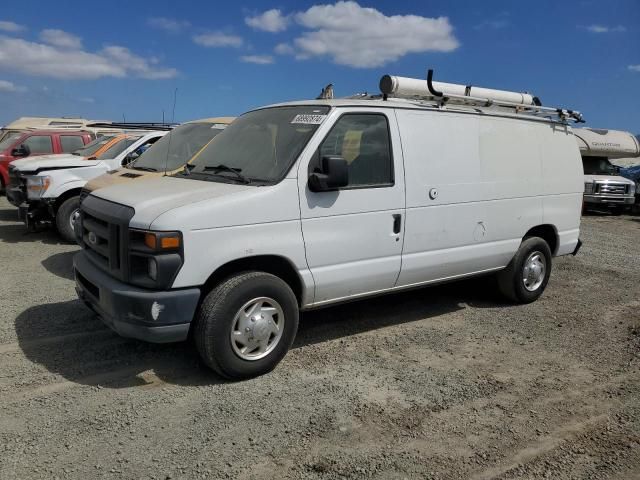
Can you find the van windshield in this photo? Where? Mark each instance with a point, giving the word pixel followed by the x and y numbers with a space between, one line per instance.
pixel 598 166
pixel 177 147
pixel 91 148
pixel 260 146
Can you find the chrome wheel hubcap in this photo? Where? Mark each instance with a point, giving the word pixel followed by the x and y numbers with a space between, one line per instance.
pixel 72 219
pixel 257 328
pixel 535 268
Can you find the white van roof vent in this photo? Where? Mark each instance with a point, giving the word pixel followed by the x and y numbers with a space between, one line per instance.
pixel 452 93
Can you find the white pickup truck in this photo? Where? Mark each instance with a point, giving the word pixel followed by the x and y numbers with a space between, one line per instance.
pixel 47 188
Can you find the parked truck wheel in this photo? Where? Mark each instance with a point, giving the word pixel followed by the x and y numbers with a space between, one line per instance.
pixel 527 275
pixel 246 325
pixel 66 217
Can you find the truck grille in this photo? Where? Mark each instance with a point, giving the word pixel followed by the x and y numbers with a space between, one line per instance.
pixel 14 178
pixel 104 231
pixel 612 188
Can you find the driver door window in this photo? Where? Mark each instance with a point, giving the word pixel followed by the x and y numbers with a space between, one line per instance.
pixel 363 141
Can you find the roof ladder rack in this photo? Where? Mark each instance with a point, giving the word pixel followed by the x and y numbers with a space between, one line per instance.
pixel 467 95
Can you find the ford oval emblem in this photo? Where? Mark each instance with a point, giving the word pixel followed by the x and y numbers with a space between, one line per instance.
pixel 93 240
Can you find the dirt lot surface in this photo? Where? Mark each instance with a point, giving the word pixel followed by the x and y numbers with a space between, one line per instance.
pixel 445 382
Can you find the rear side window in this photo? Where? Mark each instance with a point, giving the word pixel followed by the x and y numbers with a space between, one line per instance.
pixel 39 144
pixel 363 141
pixel 71 143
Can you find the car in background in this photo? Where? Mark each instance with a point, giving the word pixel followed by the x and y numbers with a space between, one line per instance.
pixel 633 174
pixel 604 187
pixel 16 145
pixel 168 156
pixel 47 190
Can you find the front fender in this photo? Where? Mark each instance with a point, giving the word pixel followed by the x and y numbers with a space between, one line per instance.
pixel 74 178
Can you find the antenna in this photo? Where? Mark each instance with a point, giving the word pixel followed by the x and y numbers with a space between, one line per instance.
pixel 173 116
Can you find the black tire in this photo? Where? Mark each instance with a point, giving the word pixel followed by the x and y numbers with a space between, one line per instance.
pixel 63 218
pixel 215 318
pixel 510 280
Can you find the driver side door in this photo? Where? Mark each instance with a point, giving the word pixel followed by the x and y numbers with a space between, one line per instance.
pixel 353 235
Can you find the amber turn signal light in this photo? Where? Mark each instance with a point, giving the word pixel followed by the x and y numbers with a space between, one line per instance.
pixel 162 242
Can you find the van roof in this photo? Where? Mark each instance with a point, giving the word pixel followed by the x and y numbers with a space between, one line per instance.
pixel 378 102
pixel 226 120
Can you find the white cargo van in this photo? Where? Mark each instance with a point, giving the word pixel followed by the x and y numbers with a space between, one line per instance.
pixel 305 204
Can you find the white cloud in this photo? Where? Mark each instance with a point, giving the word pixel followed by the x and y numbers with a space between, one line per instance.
pixel 12 27
pixel 43 60
pixel 218 39
pixel 605 29
pixel 141 67
pixel 364 37
pixel 60 38
pixel 170 25
pixel 270 21
pixel 634 68
pixel 284 49
pixel 259 59
pixel 6 86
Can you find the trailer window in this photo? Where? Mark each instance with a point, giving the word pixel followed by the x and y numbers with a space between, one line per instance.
pixel 363 141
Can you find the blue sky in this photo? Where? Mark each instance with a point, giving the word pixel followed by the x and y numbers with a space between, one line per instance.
pixel 109 59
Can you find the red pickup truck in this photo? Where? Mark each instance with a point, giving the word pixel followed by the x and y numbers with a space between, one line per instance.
pixel 38 142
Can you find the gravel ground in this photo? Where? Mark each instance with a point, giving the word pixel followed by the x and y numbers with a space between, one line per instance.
pixel 444 382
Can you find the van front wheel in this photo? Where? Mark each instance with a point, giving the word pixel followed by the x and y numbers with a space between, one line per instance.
pixel 246 325
pixel 526 276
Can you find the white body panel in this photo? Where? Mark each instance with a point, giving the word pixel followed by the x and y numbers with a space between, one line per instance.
pixel 69 172
pixel 494 179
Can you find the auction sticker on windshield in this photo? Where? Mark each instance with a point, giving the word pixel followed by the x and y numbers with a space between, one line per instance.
pixel 308 119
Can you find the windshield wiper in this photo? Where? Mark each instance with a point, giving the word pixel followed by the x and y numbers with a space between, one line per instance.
pixel 144 169
pixel 226 168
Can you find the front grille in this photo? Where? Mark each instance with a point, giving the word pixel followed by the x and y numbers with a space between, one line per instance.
pixel 612 188
pixel 15 180
pixel 104 232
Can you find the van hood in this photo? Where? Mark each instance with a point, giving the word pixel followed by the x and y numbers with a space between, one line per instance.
pixel 154 197
pixel 607 178
pixel 51 162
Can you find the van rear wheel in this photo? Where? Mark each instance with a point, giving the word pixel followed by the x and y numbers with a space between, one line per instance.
pixel 246 325
pixel 527 275
pixel 66 217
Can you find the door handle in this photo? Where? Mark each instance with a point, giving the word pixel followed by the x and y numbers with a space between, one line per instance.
pixel 397 223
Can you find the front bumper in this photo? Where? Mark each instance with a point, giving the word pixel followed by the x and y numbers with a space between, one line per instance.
pixel 610 199
pixel 149 315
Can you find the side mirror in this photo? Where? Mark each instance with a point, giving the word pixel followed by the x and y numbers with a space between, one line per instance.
pixel 130 158
pixel 21 151
pixel 333 175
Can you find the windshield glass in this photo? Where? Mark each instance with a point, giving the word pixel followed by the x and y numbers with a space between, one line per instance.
pixel 598 166
pixel 177 147
pixel 117 148
pixel 261 145
pixel 8 140
pixel 91 148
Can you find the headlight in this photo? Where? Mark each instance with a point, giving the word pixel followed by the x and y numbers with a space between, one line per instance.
pixel 632 189
pixel 588 187
pixel 154 258
pixel 37 185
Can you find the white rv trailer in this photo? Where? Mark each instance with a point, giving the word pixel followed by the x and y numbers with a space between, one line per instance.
pixel 305 204
pixel 604 187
